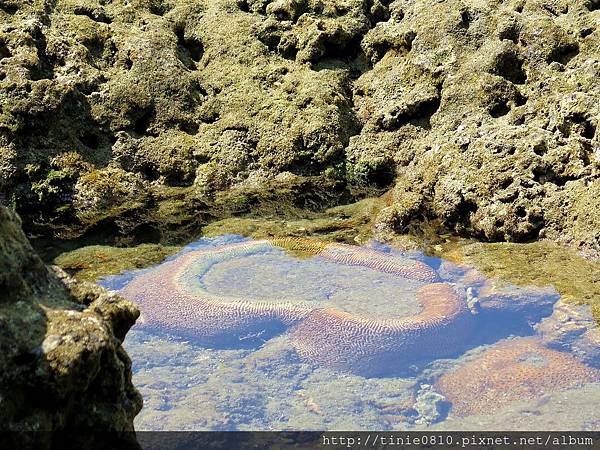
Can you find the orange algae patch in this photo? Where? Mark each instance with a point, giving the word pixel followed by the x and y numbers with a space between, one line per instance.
pixel 510 371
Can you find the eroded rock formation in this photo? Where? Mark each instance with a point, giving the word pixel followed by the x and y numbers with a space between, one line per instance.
pixel 62 365
pixel 152 117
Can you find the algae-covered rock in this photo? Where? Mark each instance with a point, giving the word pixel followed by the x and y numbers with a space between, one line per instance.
pixel 96 261
pixel 20 270
pixel 488 115
pixel 153 118
pixel 62 365
pixel 574 322
pixel 169 106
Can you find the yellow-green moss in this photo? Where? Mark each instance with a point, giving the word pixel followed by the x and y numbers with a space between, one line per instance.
pixel 347 223
pixel 541 264
pixel 96 261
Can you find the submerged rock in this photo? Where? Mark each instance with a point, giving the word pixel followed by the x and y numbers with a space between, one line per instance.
pixel 62 364
pixel 573 328
pixel 510 371
pixel 430 405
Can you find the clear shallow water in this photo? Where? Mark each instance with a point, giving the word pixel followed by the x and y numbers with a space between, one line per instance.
pixel 276 275
pixel 188 386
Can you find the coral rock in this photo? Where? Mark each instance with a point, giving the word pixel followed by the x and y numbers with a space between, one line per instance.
pixel 511 371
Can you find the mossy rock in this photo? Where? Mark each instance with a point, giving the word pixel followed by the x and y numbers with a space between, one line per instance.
pixel 185 112
pixel 62 364
pixel 94 262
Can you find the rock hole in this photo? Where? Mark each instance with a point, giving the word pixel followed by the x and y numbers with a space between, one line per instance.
pixel 505 182
pixel 4 50
pixel 509 65
pixel 577 123
pixel 25 358
pixel 9 8
pixel 382 177
pixel 466 207
pixel 158 8
pixel 128 63
pixel 97 15
pixel 201 158
pixel 377 50
pixel 243 6
pixel 418 114
pixel 519 120
pixel 150 172
pixel 189 50
pixel 564 53
pixel 511 33
pixel 593 5
pixel 341 10
pixel 344 52
pixel 499 109
pixel 142 123
pixel 288 52
pixel 466 17
pixel 585 32
pixel 90 140
pixel 290 11
pixel 520 211
pixel 379 13
pixel 552 11
pixel 95 46
pixel 146 233
pixel 283 15
pixel 92 85
pixel 543 175
pixel 520 99
pixel 540 148
pixel 271 37
pixel 45 67
pixel 189 127
pixel 408 40
pixel 210 117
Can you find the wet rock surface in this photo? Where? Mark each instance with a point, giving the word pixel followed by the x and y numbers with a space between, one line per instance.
pixel 150 119
pixel 62 364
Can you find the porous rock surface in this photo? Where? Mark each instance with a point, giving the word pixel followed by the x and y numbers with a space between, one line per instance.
pixel 150 116
pixel 62 366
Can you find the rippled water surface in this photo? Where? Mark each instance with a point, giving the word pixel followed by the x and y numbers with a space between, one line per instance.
pixel 520 358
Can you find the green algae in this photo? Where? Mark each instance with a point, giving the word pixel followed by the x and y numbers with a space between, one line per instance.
pixel 94 262
pixel 347 223
pixel 541 264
